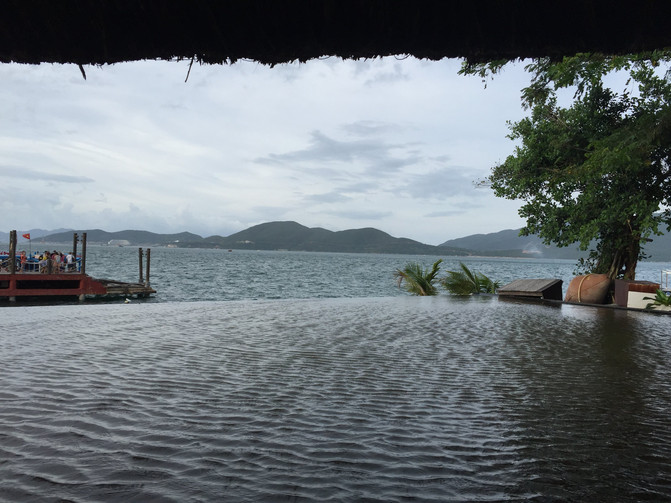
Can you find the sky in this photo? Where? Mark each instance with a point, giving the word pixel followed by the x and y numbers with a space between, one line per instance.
pixel 391 143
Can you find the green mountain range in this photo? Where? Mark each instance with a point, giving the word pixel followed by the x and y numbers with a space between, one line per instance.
pixel 268 236
pixel 133 237
pixel 510 243
pixel 296 237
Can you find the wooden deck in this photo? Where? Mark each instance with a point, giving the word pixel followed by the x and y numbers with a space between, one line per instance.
pixel 26 278
pixel 549 289
pixel 121 289
pixel 35 285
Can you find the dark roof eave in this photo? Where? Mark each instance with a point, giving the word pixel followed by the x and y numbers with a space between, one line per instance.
pixel 98 32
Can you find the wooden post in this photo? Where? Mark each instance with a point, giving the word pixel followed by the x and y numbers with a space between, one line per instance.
pixel 83 269
pixel 74 251
pixel 148 261
pixel 12 252
pixel 140 257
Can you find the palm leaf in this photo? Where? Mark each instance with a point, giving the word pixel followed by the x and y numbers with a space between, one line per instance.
pixel 660 299
pixel 467 282
pixel 418 281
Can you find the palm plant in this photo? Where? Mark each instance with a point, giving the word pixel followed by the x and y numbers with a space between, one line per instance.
pixel 467 282
pixel 419 281
pixel 660 299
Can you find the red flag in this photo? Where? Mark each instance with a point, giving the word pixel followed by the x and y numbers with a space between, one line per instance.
pixel 27 236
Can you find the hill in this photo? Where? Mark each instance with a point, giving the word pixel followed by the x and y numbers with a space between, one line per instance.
pixel 34 234
pixel 293 236
pixel 296 237
pixel 268 236
pixel 510 243
pixel 133 237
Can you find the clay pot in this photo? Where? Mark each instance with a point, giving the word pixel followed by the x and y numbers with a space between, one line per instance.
pixel 588 289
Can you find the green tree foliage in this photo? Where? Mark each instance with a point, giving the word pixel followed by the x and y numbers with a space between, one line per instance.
pixel 467 282
pixel 596 172
pixel 419 281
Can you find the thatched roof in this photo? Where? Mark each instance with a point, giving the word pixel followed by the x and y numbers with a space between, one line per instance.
pixel 276 31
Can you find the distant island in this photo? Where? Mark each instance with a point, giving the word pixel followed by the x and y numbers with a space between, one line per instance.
pixel 292 236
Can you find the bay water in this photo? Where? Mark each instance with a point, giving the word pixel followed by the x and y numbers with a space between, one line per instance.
pixel 285 376
pixel 184 275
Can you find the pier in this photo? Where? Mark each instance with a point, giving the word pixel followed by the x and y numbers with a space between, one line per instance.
pixel 23 278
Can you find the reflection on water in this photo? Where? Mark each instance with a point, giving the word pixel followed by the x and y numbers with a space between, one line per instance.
pixel 379 399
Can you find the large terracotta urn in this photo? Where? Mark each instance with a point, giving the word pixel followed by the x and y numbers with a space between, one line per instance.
pixel 588 289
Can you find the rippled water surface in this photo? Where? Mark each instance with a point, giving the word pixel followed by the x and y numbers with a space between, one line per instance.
pixel 279 376
pixel 350 399
pixel 185 275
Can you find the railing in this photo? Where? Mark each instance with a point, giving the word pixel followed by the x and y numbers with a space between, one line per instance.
pixel 664 280
pixel 34 265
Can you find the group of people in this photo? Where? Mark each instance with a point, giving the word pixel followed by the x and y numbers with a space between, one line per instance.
pixel 53 262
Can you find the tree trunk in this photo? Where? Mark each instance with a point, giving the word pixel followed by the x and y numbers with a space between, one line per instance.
pixel 630 259
pixel 615 265
pixel 625 260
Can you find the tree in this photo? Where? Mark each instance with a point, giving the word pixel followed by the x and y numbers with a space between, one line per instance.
pixel 419 281
pixel 467 282
pixel 596 172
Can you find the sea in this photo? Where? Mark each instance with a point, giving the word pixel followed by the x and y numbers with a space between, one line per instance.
pixel 270 376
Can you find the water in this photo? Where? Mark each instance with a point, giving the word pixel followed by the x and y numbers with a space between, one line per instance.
pixel 321 381
pixel 183 275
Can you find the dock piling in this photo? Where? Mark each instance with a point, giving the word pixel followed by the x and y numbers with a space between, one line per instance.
pixel 83 263
pixel 12 252
pixel 140 258
pixel 148 262
pixel 75 238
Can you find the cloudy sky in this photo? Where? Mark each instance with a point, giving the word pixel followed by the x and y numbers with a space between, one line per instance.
pixel 395 144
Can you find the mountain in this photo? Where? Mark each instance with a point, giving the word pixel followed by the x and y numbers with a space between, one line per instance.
pixel 659 250
pixel 97 236
pixel 510 243
pixel 268 236
pixel 34 234
pixel 296 237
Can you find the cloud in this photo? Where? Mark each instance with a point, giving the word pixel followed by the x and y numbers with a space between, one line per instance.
pixel 446 213
pixel 441 184
pixel 42 176
pixel 259 212
pixel 372 155
pixel 372 128
pixel 328 197
pixel 361 214
pixel 391 76
pixel 331 143
pixel 360 187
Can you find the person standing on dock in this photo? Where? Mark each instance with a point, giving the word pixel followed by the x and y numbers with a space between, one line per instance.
pixel 43 262
pixel 56 262
pixel 69 259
